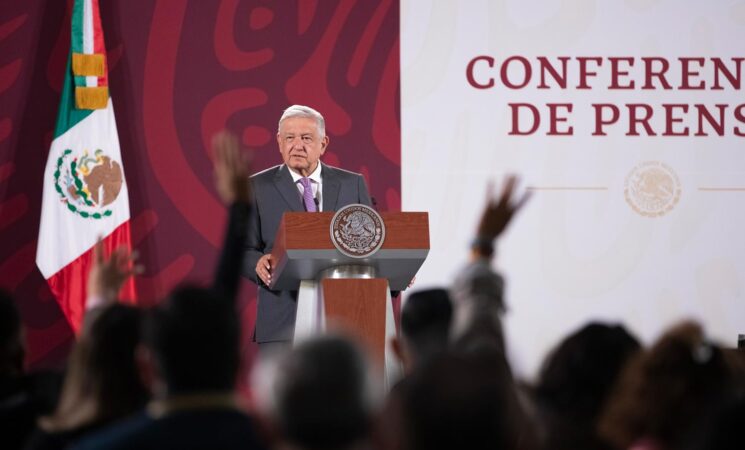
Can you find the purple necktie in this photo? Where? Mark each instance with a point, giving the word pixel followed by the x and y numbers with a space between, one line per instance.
pixel 310 204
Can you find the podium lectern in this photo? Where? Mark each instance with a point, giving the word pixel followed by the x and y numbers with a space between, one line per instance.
pixel 351 292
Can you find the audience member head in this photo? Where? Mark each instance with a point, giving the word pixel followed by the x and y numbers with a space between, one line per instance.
pixel 454 401
pixel 726 431
pixel 321 395
pixel 102 381
pixel 425 326
pixel 194 339
pixel 735 359
pixel 11 340
pixel 575 381
pixel 579 373
pixel 669 393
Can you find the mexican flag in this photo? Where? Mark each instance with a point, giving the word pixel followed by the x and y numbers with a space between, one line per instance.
pixel 85 192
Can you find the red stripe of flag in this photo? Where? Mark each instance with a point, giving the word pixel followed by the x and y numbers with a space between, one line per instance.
pixel 98 45
pixel 69 284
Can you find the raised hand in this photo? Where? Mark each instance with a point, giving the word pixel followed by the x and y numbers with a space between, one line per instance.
pixel 107 275
pixel 231 169
pixel 500 210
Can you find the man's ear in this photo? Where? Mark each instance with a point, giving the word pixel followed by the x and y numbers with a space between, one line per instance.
pixel 324 143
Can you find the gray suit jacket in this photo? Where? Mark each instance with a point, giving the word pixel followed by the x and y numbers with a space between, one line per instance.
pixel 274 193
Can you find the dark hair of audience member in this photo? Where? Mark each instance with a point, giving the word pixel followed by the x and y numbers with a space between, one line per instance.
pixel 322 395
pixel 735 360
pixel 575 381
pixel 456 401
pixel 669 394
pixel 194 337
pixel 425 322
pixel 102 382
pixel 726 431
pixel 11 345
pixel 18 409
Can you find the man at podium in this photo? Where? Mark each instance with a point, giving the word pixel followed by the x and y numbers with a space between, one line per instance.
pixel 301 183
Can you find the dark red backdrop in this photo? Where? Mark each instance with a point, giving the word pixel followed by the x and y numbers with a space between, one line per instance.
pixel 178 72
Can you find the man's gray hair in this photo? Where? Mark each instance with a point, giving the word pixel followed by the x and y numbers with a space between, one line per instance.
pixel 304 111
pixel 320 394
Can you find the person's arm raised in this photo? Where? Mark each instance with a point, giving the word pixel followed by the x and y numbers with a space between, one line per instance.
pixel 497 215
pixel 231 165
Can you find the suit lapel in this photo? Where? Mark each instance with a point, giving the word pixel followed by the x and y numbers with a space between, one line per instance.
pixel 330 188
pixel 288 190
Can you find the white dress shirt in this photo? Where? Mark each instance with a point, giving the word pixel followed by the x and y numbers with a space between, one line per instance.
pixel 315 184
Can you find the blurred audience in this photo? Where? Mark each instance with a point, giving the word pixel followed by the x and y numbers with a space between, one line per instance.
pixel 455 401
pixel 23 396
pixel 425 327
pixel 575 382
pixel 166 378
pixel 320 396
pixel 11 340
pixel 189 359
pixel 727 429
pixel 668 395
pixel 102 383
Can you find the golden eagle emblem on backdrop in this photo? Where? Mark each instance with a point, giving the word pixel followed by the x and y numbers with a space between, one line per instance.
pixel 652 189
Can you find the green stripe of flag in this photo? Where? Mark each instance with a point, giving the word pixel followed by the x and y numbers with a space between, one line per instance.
pixel 76 37
pixel 68 115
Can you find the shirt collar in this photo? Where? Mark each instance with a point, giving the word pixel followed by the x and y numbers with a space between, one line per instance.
pixel 315 176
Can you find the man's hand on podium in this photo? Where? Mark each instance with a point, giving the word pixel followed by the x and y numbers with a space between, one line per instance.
pixel 264 268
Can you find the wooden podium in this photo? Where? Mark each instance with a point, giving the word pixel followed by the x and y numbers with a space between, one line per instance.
pixel 335 290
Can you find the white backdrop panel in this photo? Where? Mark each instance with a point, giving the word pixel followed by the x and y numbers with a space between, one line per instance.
pixel 580 250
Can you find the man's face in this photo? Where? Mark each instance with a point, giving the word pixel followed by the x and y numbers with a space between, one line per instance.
pixel 300 144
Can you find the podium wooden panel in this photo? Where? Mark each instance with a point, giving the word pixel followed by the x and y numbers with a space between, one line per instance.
pixel 303 253
pixel 303 248
pixel 358 307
